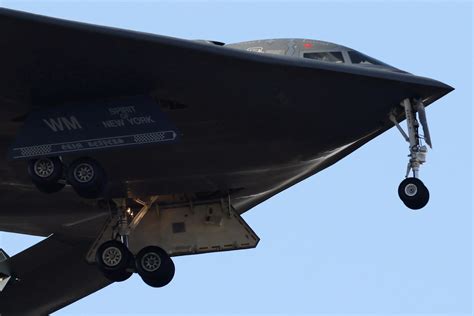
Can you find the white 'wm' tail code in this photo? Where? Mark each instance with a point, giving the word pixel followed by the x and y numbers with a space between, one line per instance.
pixel 62 123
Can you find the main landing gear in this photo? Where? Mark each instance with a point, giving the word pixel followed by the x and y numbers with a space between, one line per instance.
pixel 152 263
pixel 117 262
pixel 413 193
pixel 85 175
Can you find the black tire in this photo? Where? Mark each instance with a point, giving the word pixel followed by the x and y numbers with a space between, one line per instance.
pixel 49 187
pixel 118 276
pixel 413 193
pixel 45 170
pixel 87 178
pixel 154 266
pixel 159 282
pixel 113 258
pixel 421 201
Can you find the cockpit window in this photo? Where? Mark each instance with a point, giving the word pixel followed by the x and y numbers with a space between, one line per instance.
pixel 358 58
pixel 333 57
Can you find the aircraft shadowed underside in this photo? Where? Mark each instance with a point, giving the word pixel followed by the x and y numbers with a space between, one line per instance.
pixel 128 148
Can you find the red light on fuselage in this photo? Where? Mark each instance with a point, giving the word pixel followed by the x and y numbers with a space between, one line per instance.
pixel 307 45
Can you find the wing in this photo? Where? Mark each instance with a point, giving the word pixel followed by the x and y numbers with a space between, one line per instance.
pixel 46 61
pixel 51 275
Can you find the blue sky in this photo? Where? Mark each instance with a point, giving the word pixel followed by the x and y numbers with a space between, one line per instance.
pixel 340 242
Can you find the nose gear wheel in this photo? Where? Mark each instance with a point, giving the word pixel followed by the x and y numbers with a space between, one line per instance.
pixel 413 193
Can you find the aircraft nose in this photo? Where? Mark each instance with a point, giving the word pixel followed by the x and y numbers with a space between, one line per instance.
pixel 430 90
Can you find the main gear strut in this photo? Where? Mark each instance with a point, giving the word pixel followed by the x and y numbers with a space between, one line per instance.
pixel 117 262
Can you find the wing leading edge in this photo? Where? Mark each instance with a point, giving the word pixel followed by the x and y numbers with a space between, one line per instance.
pixel 50 275
pixel 47 61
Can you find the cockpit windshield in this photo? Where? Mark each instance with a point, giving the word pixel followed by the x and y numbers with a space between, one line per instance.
pixel 359 58
pixel 334 57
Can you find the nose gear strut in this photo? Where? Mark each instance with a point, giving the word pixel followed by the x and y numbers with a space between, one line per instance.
pixel 413 193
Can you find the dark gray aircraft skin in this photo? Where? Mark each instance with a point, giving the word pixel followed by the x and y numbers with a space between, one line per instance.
pixel 251 119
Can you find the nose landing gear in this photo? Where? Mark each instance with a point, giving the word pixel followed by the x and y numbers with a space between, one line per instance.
pixel 413 193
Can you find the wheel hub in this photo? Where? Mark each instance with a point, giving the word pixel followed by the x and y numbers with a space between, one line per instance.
pixel 411 189
pixel 84 173
pixel 112 256
pixel 151 262
pixel 44 167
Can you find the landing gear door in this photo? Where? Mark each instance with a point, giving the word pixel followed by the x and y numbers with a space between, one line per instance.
pixel 92 126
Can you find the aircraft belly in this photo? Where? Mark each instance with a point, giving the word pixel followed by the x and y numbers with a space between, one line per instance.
pixel 219 150
pixel 248 121
pixel 250 156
